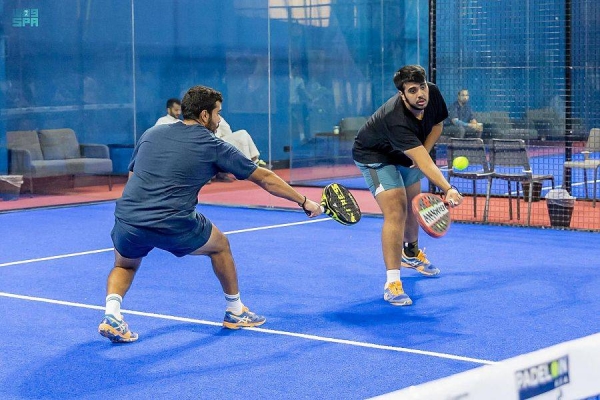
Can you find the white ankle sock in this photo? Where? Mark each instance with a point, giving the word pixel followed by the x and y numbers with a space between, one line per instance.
pixel 393 275
pixel 234 304
pixel 113 305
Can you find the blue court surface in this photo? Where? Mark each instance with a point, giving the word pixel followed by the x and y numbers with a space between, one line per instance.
pixel 329 334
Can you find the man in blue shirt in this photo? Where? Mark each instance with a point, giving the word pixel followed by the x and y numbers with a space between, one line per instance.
pixel 461 120
pixel 169 166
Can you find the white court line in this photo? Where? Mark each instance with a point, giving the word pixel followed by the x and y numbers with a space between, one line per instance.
pixel 83 253
pixel 262 330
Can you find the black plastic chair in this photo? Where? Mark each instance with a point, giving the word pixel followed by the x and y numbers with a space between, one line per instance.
pixel 510 162
pixel 478 169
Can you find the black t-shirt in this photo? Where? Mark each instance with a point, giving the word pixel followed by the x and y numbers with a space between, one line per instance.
pixel 393 129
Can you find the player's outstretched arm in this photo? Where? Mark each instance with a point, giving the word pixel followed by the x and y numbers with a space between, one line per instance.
pixel 272 183
pixel 423 161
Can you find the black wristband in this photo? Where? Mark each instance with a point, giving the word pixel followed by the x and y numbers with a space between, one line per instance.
pixel 303 208
pixel 303 203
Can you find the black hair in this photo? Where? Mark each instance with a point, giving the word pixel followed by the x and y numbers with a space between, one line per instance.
pixel 197 99
pixel 172 101
pixel 409 73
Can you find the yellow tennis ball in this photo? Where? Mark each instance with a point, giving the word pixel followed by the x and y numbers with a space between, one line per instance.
pixel 460 163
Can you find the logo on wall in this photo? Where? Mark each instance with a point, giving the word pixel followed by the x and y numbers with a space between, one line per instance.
pixel 542 378
pixel 25 17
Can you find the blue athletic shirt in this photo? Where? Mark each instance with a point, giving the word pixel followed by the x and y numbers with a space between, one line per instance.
pixel 170 164
pixel 393 129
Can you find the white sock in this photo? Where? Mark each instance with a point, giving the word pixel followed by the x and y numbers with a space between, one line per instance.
pixel 113 305
pixel 393 275
pixel 234 304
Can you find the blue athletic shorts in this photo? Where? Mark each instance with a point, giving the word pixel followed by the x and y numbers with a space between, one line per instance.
pixel 135 242
pixel 381 177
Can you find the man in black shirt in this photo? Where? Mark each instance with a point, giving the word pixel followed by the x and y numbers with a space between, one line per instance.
pixel 392 152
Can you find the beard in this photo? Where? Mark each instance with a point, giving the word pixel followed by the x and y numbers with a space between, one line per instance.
pixel 211 125
pixel 416 106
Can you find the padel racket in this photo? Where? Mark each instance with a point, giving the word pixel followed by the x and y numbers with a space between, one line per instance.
pixel 432 214
pixel 340 204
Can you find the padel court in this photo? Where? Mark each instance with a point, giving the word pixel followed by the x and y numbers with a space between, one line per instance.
pixel 329 334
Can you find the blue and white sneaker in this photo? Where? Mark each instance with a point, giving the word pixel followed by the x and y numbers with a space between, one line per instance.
pixel 116 331
pixel 420 263
pixel 246 319
pixel 394 294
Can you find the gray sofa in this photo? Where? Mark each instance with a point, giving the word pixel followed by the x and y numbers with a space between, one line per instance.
pixel 55 152
pixel 496 125
pixel 499 125
pixel 551 125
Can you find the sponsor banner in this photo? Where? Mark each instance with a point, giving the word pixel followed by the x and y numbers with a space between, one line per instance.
pixel 566 371
pixel 545 377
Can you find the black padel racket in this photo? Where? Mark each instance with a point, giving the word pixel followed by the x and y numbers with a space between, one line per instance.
pixel 339 204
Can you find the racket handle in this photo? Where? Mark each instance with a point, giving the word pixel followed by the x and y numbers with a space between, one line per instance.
pixel 322 209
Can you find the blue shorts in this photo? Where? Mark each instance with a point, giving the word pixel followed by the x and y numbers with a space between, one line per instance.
pixel 381 177
pixel 136 242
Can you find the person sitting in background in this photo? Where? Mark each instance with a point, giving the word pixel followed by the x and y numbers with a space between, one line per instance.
pixel 173 113
pixel 241 140
pixel 461 119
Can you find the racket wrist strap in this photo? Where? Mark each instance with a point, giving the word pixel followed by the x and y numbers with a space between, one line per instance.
pixel 303 204
pixel 452 187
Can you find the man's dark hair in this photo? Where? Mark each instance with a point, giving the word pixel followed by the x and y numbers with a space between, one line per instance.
pixel 172 101
pixel 199 98
pixel 409 73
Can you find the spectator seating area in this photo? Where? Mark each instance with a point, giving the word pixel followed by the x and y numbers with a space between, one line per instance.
pixel 499 125
pixel 55 152
pixel 537 124
pixel 550 125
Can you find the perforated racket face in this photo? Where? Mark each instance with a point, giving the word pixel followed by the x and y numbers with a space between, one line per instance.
pixel 432 214
pixel 340 204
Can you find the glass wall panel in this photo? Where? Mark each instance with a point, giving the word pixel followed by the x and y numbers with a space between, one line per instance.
pixel 290 71
pixel 339 59
pixel 61 68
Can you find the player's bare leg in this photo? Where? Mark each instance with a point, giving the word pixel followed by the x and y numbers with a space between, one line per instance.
pixel 113 326
pixel 219 251
pixel 411 229
pixel 417 260
pixel 393 204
